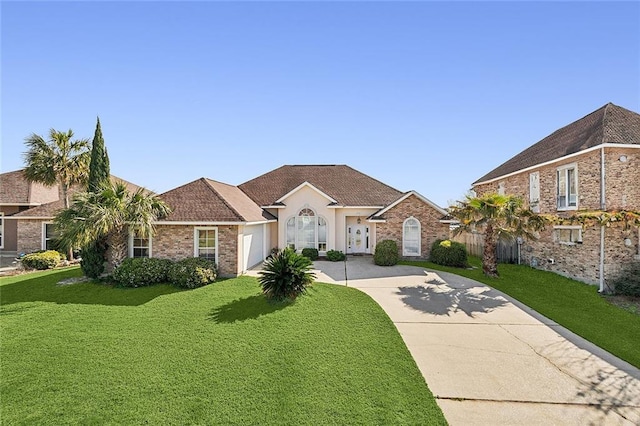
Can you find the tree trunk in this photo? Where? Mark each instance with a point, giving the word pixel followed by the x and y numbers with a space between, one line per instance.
pixel 65 201
pixel 489 260
pixel 117 247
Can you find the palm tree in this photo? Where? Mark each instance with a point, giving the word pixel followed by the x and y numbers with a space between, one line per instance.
pixel 498 217
pixel 111 214
pixel 59 160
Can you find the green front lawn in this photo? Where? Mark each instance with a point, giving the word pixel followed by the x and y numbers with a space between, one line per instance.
pixel 572 304
pixel 89 353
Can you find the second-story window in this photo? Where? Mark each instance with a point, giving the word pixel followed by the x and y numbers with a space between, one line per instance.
pixel 567 178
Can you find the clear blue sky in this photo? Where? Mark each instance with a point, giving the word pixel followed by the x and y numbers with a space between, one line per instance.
pixel 420 95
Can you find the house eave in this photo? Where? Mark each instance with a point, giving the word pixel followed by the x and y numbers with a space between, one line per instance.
pixel 211 223
pixel 566 157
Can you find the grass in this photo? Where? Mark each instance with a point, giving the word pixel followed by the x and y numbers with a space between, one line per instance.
pixel 572 304
pixel 89 353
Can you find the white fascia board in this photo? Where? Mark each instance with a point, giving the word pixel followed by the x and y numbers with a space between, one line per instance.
pixel 28 217
pixel 376 221
pixel 566 157
pixel 449 221
pixel 279 206
pixel 407 195
pixel 20 204
pixel 205 223
pixel 355 207
pixel 299 187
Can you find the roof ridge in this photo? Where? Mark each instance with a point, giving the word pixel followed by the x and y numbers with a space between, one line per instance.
pixel 224 201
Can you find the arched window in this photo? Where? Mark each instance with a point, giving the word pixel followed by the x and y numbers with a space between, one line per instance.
pixel 306 230
pixel 411 237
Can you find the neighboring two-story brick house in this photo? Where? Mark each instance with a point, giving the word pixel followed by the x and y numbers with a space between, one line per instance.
pixel 593 164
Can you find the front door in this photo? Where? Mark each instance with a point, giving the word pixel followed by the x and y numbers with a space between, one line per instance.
pixel 358 239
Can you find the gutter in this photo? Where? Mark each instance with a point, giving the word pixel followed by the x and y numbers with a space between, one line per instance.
pixel 603 205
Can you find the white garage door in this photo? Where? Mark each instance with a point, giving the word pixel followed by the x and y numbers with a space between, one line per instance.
pixel 253 244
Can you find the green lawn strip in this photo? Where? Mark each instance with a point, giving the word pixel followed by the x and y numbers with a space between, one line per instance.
pixel 221 354
pixel 572 304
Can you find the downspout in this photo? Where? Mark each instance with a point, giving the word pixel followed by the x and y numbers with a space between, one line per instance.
pixel 603 206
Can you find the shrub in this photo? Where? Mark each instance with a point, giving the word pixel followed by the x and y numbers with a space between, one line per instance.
pixel 386 253
pixel 449 253
pixel 311 253
pixel 142 271
pixel 92 262
pixel 336 256
pixel 627 283
pixel 42 260
pixel 193 272
pixel 286 275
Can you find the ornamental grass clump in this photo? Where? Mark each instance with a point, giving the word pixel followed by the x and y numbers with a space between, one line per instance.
pixel 286 275
pixel 449 253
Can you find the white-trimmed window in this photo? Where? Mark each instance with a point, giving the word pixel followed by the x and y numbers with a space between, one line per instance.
pixel 307 230
pixel 569 235
pixel 139 245
pixel 1 230
pixel 567 190
pixel 411 237
pixel 534 192
pixel 206 243
pixel 48 236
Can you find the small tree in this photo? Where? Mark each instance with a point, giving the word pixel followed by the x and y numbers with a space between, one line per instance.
pixel 93 254
pixel 497 217
pixel 109 214
pixel 286 275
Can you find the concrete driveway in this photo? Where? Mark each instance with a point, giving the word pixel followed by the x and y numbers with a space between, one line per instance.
pixel 490 360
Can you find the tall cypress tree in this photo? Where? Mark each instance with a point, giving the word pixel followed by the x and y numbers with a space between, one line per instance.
pixel 99 176
pixel 99 172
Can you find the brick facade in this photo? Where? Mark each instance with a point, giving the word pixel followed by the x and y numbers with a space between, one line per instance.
pixel 622 191
pixel 176 242
pixel 430 227
pixel 29 233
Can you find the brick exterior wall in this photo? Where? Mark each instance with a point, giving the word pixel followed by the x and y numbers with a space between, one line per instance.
pixel 176 242
pixel 430 227
pixel 582 261
pixel 29 235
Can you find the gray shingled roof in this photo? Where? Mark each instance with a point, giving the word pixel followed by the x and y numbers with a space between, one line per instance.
pixel 609 124
pixel 347 186
pixel 206 200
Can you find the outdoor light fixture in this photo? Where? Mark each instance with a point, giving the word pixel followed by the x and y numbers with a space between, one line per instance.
pixel 358 221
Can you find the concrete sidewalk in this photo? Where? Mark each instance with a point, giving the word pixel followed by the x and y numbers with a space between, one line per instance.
pixel 490 360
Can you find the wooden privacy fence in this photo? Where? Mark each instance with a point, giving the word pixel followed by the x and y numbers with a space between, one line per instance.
pixel 507 251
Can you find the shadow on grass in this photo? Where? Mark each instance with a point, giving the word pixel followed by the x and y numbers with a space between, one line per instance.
pixel 45 288
pixel 440 299
pixel 250 307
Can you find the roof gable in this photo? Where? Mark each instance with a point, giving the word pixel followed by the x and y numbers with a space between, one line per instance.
pixel 404 197
pixel 304 184
pixel 347 186
pixel 15 189
pixel 609 124
pixel 206 200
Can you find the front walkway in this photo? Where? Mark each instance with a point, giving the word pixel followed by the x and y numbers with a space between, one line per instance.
pixel 489 359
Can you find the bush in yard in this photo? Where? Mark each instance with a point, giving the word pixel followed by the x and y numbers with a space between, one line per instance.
pixel 42 260
pixel 92 262
pixel 627 283
pixel 142 271
pixel 193 272
pixel 449 253
pixel 311 253
pixel 286 275
pixel 335 256
pixel 386 253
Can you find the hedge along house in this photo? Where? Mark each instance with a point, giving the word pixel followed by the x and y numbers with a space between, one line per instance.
pixel 590 164
pixel 326 207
